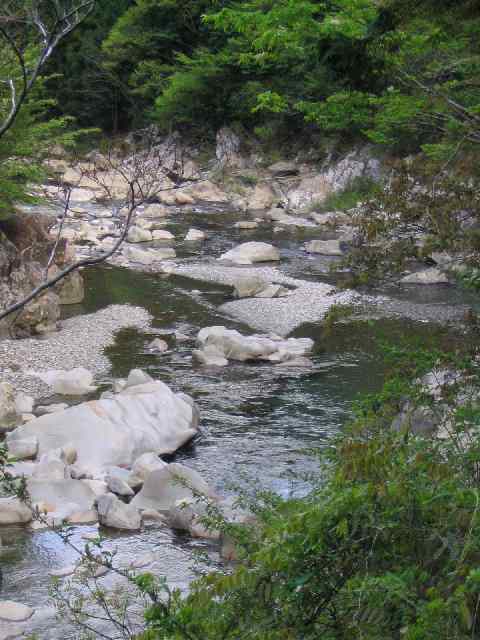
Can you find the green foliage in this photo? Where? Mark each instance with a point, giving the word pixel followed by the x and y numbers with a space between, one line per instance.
pixel 420 200
pixel 26 145
pixel 387 547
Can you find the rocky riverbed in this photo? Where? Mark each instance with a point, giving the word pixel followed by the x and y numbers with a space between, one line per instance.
pixel 237 300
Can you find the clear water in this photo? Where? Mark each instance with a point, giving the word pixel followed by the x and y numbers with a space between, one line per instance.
pixel 259 423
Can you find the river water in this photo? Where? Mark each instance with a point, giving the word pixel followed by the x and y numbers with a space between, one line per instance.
pixel 259 423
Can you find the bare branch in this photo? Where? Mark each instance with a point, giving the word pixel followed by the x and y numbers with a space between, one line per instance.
pixel 15 33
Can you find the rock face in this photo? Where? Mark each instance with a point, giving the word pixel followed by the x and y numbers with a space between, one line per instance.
pixel 417 420
pixel 228 149
pixel 283 169
pixel 163 487
pixel 263 197
pixel 336 177
pixel 23 259
pixel 206 191
pixel 251 252
pixel 115 432
pixel 71 290
pixel 232 345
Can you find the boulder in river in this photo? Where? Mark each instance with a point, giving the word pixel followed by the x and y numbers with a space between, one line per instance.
pixel 137 234
pixel 118 486
pixel 146 463
pixel 114 513
pixel 71 290
pixel 156 211
pixel 251 252
pixel 163 487
pixel 115 432
pixel 195 235
pixel 158 345
pixel 162 235
pixel 234 346
pixel 75 382
pixel 210 356
pixel 248 286
pixel 428 276
pixel 324 247
pixel 137 377
pixel 61 493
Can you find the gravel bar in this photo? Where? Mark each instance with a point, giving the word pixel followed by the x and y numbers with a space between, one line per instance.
pixel 79 343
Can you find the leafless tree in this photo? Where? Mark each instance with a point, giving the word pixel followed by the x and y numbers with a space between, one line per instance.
pixel 127 182
pixel 30 31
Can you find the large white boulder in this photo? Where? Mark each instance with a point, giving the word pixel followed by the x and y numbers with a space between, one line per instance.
pixel 116 431
pixel 234 346
pixel 251 252
pixel 164 487
pixel 114 513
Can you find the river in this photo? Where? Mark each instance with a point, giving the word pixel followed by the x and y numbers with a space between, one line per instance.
pixel 259 423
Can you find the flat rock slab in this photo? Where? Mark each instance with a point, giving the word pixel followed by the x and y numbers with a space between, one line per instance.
pixel 15 611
